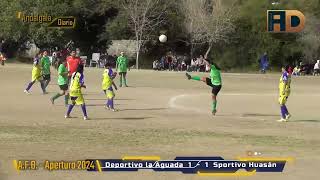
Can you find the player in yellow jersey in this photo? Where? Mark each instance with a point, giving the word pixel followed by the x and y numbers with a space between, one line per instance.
pixel 75 92
pixel 36 74
pixel 284 92
pixel 107 83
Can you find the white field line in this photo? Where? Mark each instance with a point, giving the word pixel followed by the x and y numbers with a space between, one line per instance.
pixel 174 105
pixel 173 100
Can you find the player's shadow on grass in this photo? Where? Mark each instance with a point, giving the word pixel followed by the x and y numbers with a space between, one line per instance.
pixel 259 114
pixel 96 105
pixel 142 109
pixel 305 120
pixel 124 118
pixel 104 99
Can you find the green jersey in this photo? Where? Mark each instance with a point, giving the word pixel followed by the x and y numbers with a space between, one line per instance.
pixel 122 64
pixel 215 76
pixel 45 64
pixel 63 75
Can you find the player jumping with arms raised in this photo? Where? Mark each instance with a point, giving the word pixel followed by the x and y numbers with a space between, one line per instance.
pixel 213 81
pixel 284 92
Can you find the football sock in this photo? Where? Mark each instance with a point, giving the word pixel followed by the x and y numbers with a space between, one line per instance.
pixel 197 78
pixel 214 105
pixel 283 111
pixel 125 81
pixel 286 110
pixel 111 104
pixel 70 107
pixel 66 99
pixel 43 86
pixel 56 96
pixel 46 83
pixel 30 85
pixel 108 103
pixel 84 110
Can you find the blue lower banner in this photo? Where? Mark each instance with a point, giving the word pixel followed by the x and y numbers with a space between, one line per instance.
pixel 192 165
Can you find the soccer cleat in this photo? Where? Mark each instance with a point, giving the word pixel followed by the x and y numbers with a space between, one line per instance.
pixel 288 116
pixel 67 116
pixel 282 120
pixel 85 118
pixel 26 91
pixel 52 101
pixel 214 112
pixel 107 107
pixel 188 76
pixel 114 110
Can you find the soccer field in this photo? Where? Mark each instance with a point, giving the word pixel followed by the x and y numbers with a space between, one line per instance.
pixel 161 114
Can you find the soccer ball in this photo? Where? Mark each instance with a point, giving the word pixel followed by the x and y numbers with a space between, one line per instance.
pixel 163 38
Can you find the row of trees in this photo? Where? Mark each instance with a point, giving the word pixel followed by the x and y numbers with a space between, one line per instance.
pixel 232 32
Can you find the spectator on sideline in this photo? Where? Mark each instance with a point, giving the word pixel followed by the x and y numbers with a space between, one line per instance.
pixel 290 70
pixel 2 59
pixel 296 71
pixel 193 65
pixel 202 64
pixel 169 62
pixel 264 63
pixel 316 68
pixel 155 65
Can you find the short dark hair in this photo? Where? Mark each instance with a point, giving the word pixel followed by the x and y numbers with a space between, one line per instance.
pixel 107 64
pixel 286 67
pixel 217 67
pixel 80 68
pixel 213 63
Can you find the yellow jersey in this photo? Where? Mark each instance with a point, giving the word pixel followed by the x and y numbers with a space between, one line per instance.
pixel 107 79
pixel 284 84
pixel 36 69
pixel 76 84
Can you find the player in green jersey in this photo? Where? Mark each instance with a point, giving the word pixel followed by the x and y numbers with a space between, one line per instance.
pixel 213 81
pixel 122 68
pixel 45 65
pixel 62 82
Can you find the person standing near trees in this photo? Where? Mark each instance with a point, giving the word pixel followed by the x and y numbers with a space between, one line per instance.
pixel 122 68
pixel 264 63
pixel 2 59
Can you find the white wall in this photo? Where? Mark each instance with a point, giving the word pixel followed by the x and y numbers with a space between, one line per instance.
pixel 127 46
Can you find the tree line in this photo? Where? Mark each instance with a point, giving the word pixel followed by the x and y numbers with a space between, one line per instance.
pixel 230 32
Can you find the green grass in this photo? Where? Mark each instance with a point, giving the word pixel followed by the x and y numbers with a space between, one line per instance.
pixel 118 137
